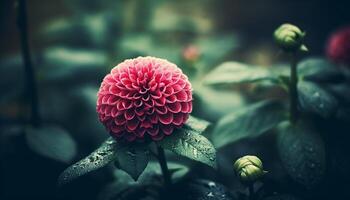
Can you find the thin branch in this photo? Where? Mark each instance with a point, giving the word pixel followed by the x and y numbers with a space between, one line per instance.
pixel 30 83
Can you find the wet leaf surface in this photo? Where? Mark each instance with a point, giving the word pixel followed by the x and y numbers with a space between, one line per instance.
pixel 248 122
pixel 313 98
pixel 133 158
pixel 188 143
pixel 202 190
pixel 302 152
pixel 105 154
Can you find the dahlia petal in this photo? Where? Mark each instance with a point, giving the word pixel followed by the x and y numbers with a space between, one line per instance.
pixel 146 97
pixel 158 137
pixel 156 95
pixel 174 107
pixel 117 129
pixel 176 88
pixel 153 131
pixel 112 100
pixel 143 90
pixel 114 111
pixel 127 104
pixel 119 120
pixel 171 99
pixel 146 124
pixel 169 91
pixel 167 130
pixel 138 103
pixel 185 107
pixel 190 107
pixel 105 99
pixel 153 118
pixel 140 111
pixel 150 103
pixel 129 114
pixel 181 95
pixel 108 110
pixel 166 118
pixel 178 119
pixel 113 89
pixel 150 111
pixel 142 117
pixel 131 125
pixel 160 102
pixel 161 109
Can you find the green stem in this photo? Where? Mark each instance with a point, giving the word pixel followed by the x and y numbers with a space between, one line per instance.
pixel 293 91
pixel 30 84
pixel 164 167
pixel 251 191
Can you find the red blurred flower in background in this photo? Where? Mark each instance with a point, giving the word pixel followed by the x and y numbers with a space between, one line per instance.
pixel 191 53
pixel 338 47
pixel 145 97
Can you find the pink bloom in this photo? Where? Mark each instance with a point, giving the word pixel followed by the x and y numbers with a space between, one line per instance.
pixel 338 48
pixel 191 53
pixel 142 98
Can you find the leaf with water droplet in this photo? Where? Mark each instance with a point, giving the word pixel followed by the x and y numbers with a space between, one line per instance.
pixel 52 142
pixel 313 98
pixel 234 72
pixel 191 145
pixel 196 124
pixel 132 158
pixel 248 122
pixel 105 154
pixel 302 153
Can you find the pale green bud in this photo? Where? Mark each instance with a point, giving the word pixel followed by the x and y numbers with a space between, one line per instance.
pixel 249 169
pixel 290 38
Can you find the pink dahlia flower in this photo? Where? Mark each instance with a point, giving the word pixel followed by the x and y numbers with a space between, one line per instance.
pixel 338 48
pixel 142 98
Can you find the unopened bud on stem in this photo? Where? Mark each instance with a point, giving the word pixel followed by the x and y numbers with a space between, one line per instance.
pixel 249 169
pixel 290 38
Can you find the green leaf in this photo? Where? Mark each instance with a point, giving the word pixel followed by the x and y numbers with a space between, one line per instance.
pixel 105 154
pixel 234 72
pixel 190 144
pixel 314 99
pixel 64 65
pixel 212 104
pixel 196 124
pixel 153 169
pixel 52 142
pixel 319 69
pixel 122 181
pixel 133 159
pixel 248 122
pixel 302 153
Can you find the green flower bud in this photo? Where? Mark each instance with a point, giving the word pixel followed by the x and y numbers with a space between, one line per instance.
pixel 249 169
pixel 290 38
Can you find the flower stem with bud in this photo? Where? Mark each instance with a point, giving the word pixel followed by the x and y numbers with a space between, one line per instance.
pixel 164 167
pixel 290 39
pixel 249 169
